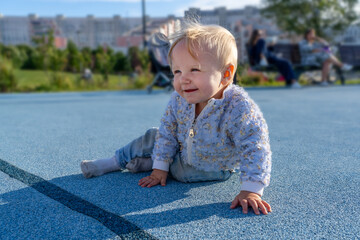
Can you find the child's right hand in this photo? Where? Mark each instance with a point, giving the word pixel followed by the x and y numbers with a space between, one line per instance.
pixel 157 177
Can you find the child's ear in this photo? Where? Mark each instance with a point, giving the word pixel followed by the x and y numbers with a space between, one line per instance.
pixel 228 73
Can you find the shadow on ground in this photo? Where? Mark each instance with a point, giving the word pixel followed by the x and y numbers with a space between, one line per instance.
pixel 114 200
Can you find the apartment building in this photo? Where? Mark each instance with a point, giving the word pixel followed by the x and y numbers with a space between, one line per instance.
pixel 121 33
pixel 87 31
pixel 14 30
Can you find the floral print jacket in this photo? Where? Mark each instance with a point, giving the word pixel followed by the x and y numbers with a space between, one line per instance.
pixel 229 134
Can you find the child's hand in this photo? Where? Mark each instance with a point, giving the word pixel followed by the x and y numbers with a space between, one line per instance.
pixel 157 177
pixel 246 199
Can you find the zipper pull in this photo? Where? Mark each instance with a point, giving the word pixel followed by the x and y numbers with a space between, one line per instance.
pixel 191 133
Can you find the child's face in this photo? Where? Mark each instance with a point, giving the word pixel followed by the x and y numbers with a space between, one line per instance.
pixel 196 80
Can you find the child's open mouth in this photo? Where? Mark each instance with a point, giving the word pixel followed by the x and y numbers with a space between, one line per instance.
pixel 190 90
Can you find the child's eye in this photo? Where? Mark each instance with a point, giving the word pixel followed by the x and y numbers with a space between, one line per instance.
pixel 195 70
pixel 176 71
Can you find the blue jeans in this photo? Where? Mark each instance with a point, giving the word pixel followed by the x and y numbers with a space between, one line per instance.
pixel 283 65
pixel 142 148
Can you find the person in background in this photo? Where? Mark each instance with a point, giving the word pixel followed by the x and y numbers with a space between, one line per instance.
pixel 259 55
pixel 316 51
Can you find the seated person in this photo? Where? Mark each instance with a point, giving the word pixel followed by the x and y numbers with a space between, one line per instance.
pixel 259 54
pixel 315 51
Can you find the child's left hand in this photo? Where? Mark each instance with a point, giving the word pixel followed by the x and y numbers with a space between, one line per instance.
pixel 246 199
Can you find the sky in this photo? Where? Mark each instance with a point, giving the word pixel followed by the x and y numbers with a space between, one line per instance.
pixel 109 8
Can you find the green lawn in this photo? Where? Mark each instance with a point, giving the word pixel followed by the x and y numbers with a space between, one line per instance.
pixel 39 81
pixel 36 80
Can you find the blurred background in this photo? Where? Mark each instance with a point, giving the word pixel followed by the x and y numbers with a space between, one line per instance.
pixel 48 45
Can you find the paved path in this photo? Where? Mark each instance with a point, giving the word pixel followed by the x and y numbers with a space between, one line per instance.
pixel 314 192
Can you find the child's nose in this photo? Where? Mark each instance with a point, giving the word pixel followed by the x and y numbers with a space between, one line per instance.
pixel 184 79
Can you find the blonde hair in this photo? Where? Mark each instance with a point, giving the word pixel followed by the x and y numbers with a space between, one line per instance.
pixel 215 39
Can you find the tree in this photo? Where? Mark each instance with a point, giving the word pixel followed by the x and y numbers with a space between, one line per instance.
pixel 145 60
pixel 30 53
pixel 138 58
pixel 87 57
pixel 122 63
pixel 14 54
pixel 45 47
pixel 327 17
pixel 52 60
pixel 75 61
pixel 104 62
pixel 58 60
pixel 7 77
pixel 57 64
pixel 134 57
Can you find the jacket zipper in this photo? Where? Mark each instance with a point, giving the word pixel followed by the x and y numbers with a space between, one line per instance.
pixel 191 135
pixel 190 142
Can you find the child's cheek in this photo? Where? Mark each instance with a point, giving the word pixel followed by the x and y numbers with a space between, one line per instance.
pixel 177 85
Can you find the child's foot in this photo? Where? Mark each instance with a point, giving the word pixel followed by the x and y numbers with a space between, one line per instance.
pixel 94 168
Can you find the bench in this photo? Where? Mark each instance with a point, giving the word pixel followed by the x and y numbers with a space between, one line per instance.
pixel 350 54
pixel 291 52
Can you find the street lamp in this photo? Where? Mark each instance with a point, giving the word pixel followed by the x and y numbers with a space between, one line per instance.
pixel 143 22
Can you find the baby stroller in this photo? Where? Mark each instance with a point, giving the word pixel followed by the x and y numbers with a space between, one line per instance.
pixel 158 50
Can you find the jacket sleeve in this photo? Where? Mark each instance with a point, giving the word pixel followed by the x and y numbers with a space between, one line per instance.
pixel 251 138
pixel 166 143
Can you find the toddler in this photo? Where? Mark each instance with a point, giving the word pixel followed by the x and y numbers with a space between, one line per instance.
pixel 210 129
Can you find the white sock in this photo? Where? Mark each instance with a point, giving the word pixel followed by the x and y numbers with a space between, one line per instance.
pixel 94 168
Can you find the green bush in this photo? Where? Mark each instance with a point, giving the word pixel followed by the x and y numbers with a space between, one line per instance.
pixel 29 54
pixel 122 63
pixel 17 57
pixel 59 81
pixel 249 80
pixel 140 81
pixel 7 76
pixel 241 69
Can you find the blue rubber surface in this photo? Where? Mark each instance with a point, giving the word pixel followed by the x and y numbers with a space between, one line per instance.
pixel 314 191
